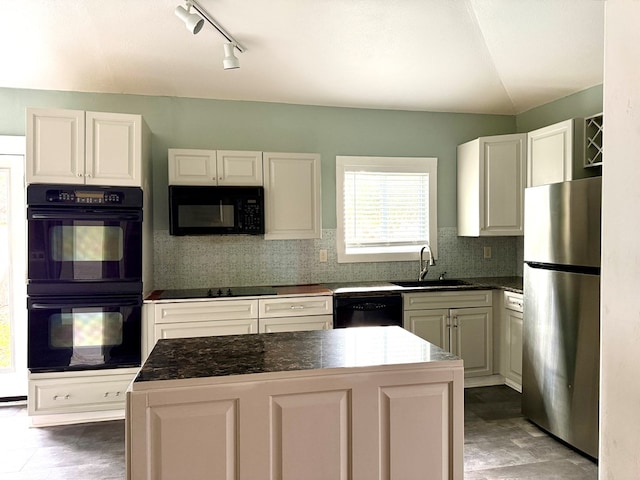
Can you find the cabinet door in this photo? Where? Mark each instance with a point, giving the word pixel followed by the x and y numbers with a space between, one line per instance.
pixel 55 146
pixel 502 173
pixel 490 186
pixel 292 196
pixel 206 329
pixel 192 167
pixel 113 149
pixel 514 354
pixel 431 325
pixel 550 154
pixel 239 168
pixel 471 339
pixel 296 324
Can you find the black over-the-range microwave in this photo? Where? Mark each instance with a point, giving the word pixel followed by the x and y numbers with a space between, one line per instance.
pixel 211 210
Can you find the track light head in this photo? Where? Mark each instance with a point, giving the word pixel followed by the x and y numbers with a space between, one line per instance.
pixel 192 21
pixel 230 60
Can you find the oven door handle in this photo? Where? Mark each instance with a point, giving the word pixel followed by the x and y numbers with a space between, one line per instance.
pixel 86 215
pixel 85 304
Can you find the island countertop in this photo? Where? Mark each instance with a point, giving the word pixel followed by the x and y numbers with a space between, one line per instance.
pixel 287 352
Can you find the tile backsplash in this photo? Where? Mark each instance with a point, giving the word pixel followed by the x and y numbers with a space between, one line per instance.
pixel 213 261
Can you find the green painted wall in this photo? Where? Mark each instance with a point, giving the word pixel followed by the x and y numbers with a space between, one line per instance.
pixel 236 125
pixel 582 104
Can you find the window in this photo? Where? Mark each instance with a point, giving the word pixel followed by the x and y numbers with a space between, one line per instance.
pixel 386 207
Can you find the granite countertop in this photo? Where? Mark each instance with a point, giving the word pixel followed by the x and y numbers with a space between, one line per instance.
pixel 231 355
pixel 513 284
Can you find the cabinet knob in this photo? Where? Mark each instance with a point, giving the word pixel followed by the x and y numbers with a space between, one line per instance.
pixel 80 174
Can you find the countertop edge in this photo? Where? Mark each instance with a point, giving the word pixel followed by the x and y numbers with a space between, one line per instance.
pixel 290 374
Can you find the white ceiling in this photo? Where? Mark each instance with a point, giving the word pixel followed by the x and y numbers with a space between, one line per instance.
pixel 483 56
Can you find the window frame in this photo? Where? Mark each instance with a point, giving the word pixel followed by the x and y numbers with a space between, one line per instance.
pixel 392 164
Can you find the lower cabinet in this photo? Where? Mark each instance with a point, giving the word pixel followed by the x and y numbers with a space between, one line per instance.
pixel 511 340
pixel 458 321
pixel 200 318
pixel 66 397
pixel 295 314
pixel 396 422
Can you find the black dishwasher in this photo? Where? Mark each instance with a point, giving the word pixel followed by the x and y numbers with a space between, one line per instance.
pixel 367 309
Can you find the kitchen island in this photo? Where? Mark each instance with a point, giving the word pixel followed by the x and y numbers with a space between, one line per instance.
pixel 360 403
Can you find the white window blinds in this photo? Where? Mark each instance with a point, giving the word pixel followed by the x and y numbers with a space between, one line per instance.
pixel 385 208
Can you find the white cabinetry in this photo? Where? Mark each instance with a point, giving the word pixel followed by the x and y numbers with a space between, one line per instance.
pixel 214 167
pixel 491 182
pixel 511 340
pixel 295 314
pixel 550 153
pixel 458 321
pixel 399 422
pixel 292 196
pixel 77 147
pixel 202 319
pixel 70 397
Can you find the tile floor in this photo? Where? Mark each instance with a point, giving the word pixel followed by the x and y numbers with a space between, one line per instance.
pixel 499 444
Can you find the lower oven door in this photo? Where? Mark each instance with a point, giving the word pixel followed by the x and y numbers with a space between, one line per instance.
pixel 79 333
pixel 367 310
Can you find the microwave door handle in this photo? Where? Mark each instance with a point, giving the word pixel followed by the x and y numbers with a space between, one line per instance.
pixel 105 303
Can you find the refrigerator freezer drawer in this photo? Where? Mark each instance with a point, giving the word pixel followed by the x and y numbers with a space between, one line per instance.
pixel 561 354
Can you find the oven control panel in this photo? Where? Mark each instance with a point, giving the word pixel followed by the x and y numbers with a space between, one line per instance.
pixel 69 196
pixel 84 197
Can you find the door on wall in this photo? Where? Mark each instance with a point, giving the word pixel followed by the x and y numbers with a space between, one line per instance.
pixel 13 314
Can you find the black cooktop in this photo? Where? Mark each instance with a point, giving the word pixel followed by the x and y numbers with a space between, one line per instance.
pixel 216 292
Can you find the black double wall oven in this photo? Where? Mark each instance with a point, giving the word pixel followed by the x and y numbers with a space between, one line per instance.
pixel 84 288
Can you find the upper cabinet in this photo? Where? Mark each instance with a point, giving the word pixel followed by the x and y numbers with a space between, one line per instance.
pixel 214 167
pixel 77 147
pixel 292 196
pixel 563 151
pixel 550 154
pixel 491 181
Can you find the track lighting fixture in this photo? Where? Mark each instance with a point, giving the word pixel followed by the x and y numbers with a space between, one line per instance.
pixel 192 21
pixel 230 60
pixel 195 21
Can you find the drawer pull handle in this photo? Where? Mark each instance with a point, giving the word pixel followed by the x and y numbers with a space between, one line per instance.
pixel 297 307
pixel 116 394
pixel 61 397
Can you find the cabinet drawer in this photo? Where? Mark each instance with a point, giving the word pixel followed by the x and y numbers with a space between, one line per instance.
pixel 78 394
pixel 513 301
pixel 205 311
pixel 447 299
pixel 296 324
pixel 206 329
pixel 296 306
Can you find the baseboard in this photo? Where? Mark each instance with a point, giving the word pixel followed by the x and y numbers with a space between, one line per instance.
pixel 485 381
pixel 73 418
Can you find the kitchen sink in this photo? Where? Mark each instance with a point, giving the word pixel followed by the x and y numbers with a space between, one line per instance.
pixel 445 282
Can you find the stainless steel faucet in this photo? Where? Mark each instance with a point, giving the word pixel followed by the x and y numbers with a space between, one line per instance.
pixel 424 267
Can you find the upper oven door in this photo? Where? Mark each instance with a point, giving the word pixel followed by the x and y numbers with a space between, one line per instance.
pixel 72 249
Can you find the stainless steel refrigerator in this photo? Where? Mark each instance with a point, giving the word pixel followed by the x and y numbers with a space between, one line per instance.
pixel 561 328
